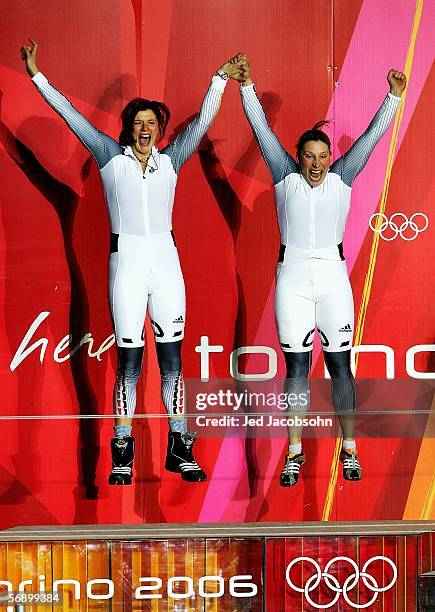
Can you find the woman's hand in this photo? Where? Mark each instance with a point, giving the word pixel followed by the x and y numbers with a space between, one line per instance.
pixel 245 76
pixel 397 82
pixel 28 54
pixel 244 64
pixel 234 67
pixel 231 68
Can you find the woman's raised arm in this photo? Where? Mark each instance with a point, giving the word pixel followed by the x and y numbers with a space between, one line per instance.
pixel 351 163
pixel 279 162
pixel 188 141
pixel 102 147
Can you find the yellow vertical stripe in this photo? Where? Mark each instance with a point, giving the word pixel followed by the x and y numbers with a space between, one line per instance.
pixel 428 506
pixel 375 243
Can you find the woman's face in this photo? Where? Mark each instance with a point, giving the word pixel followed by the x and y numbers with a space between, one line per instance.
pixel 315 161
pixel 145 131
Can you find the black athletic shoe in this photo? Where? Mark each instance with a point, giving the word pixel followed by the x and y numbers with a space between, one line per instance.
pixel 290 472
pixel 351 467
pixel 122 460
pixel 180 459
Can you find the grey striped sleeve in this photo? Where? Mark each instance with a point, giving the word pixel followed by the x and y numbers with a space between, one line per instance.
pixel 102 147
pixel 351 163
pixel 279 162
pixel 185 144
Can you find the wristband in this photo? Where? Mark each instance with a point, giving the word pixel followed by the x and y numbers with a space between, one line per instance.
pixel 223 75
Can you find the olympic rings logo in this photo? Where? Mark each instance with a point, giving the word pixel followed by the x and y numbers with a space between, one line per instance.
pixel 380 222
pixel 350 582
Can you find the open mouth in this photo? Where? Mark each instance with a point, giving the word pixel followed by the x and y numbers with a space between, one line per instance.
pixel 144 140
pixel 315 175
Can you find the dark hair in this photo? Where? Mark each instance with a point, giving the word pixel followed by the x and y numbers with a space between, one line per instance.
pixel 131 110
pixel 314 134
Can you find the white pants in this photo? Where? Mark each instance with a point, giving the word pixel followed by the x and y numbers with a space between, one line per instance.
pixel 145 272
pixel 310 294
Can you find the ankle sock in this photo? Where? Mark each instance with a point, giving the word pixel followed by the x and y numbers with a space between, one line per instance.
pixel 122 431
pixel 349 445
pixel 177 425
pixel 295 448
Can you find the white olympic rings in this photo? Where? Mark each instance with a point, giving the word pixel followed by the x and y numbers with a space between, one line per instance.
pixel 332 582
pixel 381 222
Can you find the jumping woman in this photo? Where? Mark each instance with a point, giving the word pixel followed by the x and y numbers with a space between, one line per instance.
pixel 139 183
pixel 312 198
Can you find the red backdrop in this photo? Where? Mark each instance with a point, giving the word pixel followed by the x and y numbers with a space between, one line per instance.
pixel 309 61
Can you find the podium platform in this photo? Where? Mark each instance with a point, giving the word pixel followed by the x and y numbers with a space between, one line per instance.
pixel 228 566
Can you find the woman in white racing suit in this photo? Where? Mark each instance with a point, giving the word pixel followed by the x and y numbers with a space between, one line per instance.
pixel 312 197
pixel 139 183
